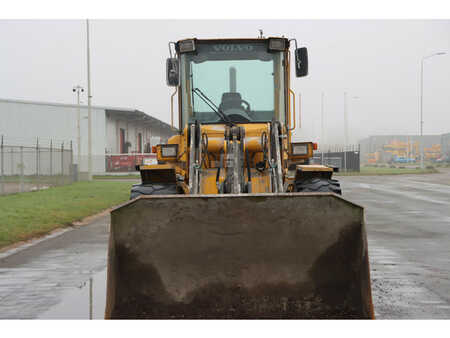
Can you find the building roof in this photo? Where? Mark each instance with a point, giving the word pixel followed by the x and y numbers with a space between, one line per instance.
pixel 127 113
pixel 139 116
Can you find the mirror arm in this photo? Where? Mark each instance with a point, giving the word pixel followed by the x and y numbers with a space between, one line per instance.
pixel 170 50
pixel 295 41
pixel 171 104
pixel 293 106
pixel 297 62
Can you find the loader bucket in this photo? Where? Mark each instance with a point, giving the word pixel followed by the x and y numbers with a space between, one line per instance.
pixel 298 255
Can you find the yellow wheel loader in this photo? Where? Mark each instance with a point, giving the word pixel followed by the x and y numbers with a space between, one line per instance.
pixel 233 221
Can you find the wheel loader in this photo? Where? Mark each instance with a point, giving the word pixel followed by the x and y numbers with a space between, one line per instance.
pixel 234 221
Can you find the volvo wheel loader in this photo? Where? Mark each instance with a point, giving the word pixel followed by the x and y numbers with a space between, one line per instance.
pixel 233 221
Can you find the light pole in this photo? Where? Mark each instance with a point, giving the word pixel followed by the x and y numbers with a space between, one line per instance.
pixel 89 104
pixel 345 121
pixel 322 133
pixel 78 89
pixel 346 127
pixel 421 105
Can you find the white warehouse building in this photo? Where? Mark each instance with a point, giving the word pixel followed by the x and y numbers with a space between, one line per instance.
pixel 116 132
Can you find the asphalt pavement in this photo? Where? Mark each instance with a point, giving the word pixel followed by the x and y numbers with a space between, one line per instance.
pixel 408 224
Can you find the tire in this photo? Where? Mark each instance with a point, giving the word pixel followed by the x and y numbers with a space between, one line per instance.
pixel 153 189
pixel 318 185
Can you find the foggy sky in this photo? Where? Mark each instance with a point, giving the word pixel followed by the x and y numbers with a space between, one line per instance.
pixel 376 62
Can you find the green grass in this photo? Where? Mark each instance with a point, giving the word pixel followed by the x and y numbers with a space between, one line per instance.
pixel 31 214
pixel 35 179
pixel 118 177
pixel 367 171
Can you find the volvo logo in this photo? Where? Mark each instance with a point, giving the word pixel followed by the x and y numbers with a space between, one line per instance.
pixel 232 48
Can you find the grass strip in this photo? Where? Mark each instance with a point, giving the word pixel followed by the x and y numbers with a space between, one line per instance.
pixel 31 214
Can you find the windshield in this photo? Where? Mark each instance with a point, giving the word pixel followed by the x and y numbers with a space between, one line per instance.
pixel 244 80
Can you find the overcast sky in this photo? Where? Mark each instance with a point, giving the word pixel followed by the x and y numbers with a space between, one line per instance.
pixel 376 62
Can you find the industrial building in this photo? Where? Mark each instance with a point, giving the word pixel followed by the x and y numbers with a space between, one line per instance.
pixel 116 131
pixel 404 148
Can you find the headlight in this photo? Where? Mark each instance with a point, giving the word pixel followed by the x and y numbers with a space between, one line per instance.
pixel 186 46
pixel 169 150
pixel 277 44
pixel 149 161
pixel 300 149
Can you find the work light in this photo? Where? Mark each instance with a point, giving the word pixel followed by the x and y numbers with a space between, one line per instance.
pixel 300 149
pixel 169 150
pixel 277 44
pixel 186 46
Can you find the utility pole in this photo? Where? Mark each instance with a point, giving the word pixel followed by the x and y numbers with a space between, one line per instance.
pixel 89 105
pixel 78 89
pixel 345 131
pixel 422 145
pixel 322 133
pixel 345 120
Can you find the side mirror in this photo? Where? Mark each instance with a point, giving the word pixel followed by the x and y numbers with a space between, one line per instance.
pixel 301 62
pixel 172 72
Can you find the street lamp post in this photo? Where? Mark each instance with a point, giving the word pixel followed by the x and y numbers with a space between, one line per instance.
pixel 322 132
pixel 421 105
pixel 78 89
pixel 89 104
pixel 346 127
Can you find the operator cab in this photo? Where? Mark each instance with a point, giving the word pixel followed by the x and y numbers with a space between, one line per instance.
pixel 235 80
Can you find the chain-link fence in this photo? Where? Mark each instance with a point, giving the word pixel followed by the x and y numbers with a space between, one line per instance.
pixel 29 167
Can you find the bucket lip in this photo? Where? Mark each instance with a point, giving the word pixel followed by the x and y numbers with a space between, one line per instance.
pixel 257 195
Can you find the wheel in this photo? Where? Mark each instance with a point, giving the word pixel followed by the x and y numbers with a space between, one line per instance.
pixel 318 185
pixel 153 189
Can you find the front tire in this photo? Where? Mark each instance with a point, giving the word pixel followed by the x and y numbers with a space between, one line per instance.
pixel 318 185
pixel 153 189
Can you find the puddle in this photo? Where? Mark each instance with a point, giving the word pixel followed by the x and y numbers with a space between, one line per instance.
pixel 84 302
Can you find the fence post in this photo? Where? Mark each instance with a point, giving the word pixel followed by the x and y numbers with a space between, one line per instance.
pixel 345 157
pixel 21 165
pixel 71 163
pixel 51 160
pixel 12 161
pixel 62 163
pixel 359 157
pixel 37 162
pixel 2 173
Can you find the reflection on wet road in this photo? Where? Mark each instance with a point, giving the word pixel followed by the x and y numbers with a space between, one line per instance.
pixel 85 302
pixel 408 222
pixel 34 282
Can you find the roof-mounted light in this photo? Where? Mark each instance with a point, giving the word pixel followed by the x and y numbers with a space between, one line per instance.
pixel 186 46
pixel 277 44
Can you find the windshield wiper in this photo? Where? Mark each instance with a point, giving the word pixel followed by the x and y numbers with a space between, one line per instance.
pixel 211 105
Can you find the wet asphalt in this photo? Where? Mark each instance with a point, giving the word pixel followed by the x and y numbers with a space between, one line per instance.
pixel 408 230
pixel 408 224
